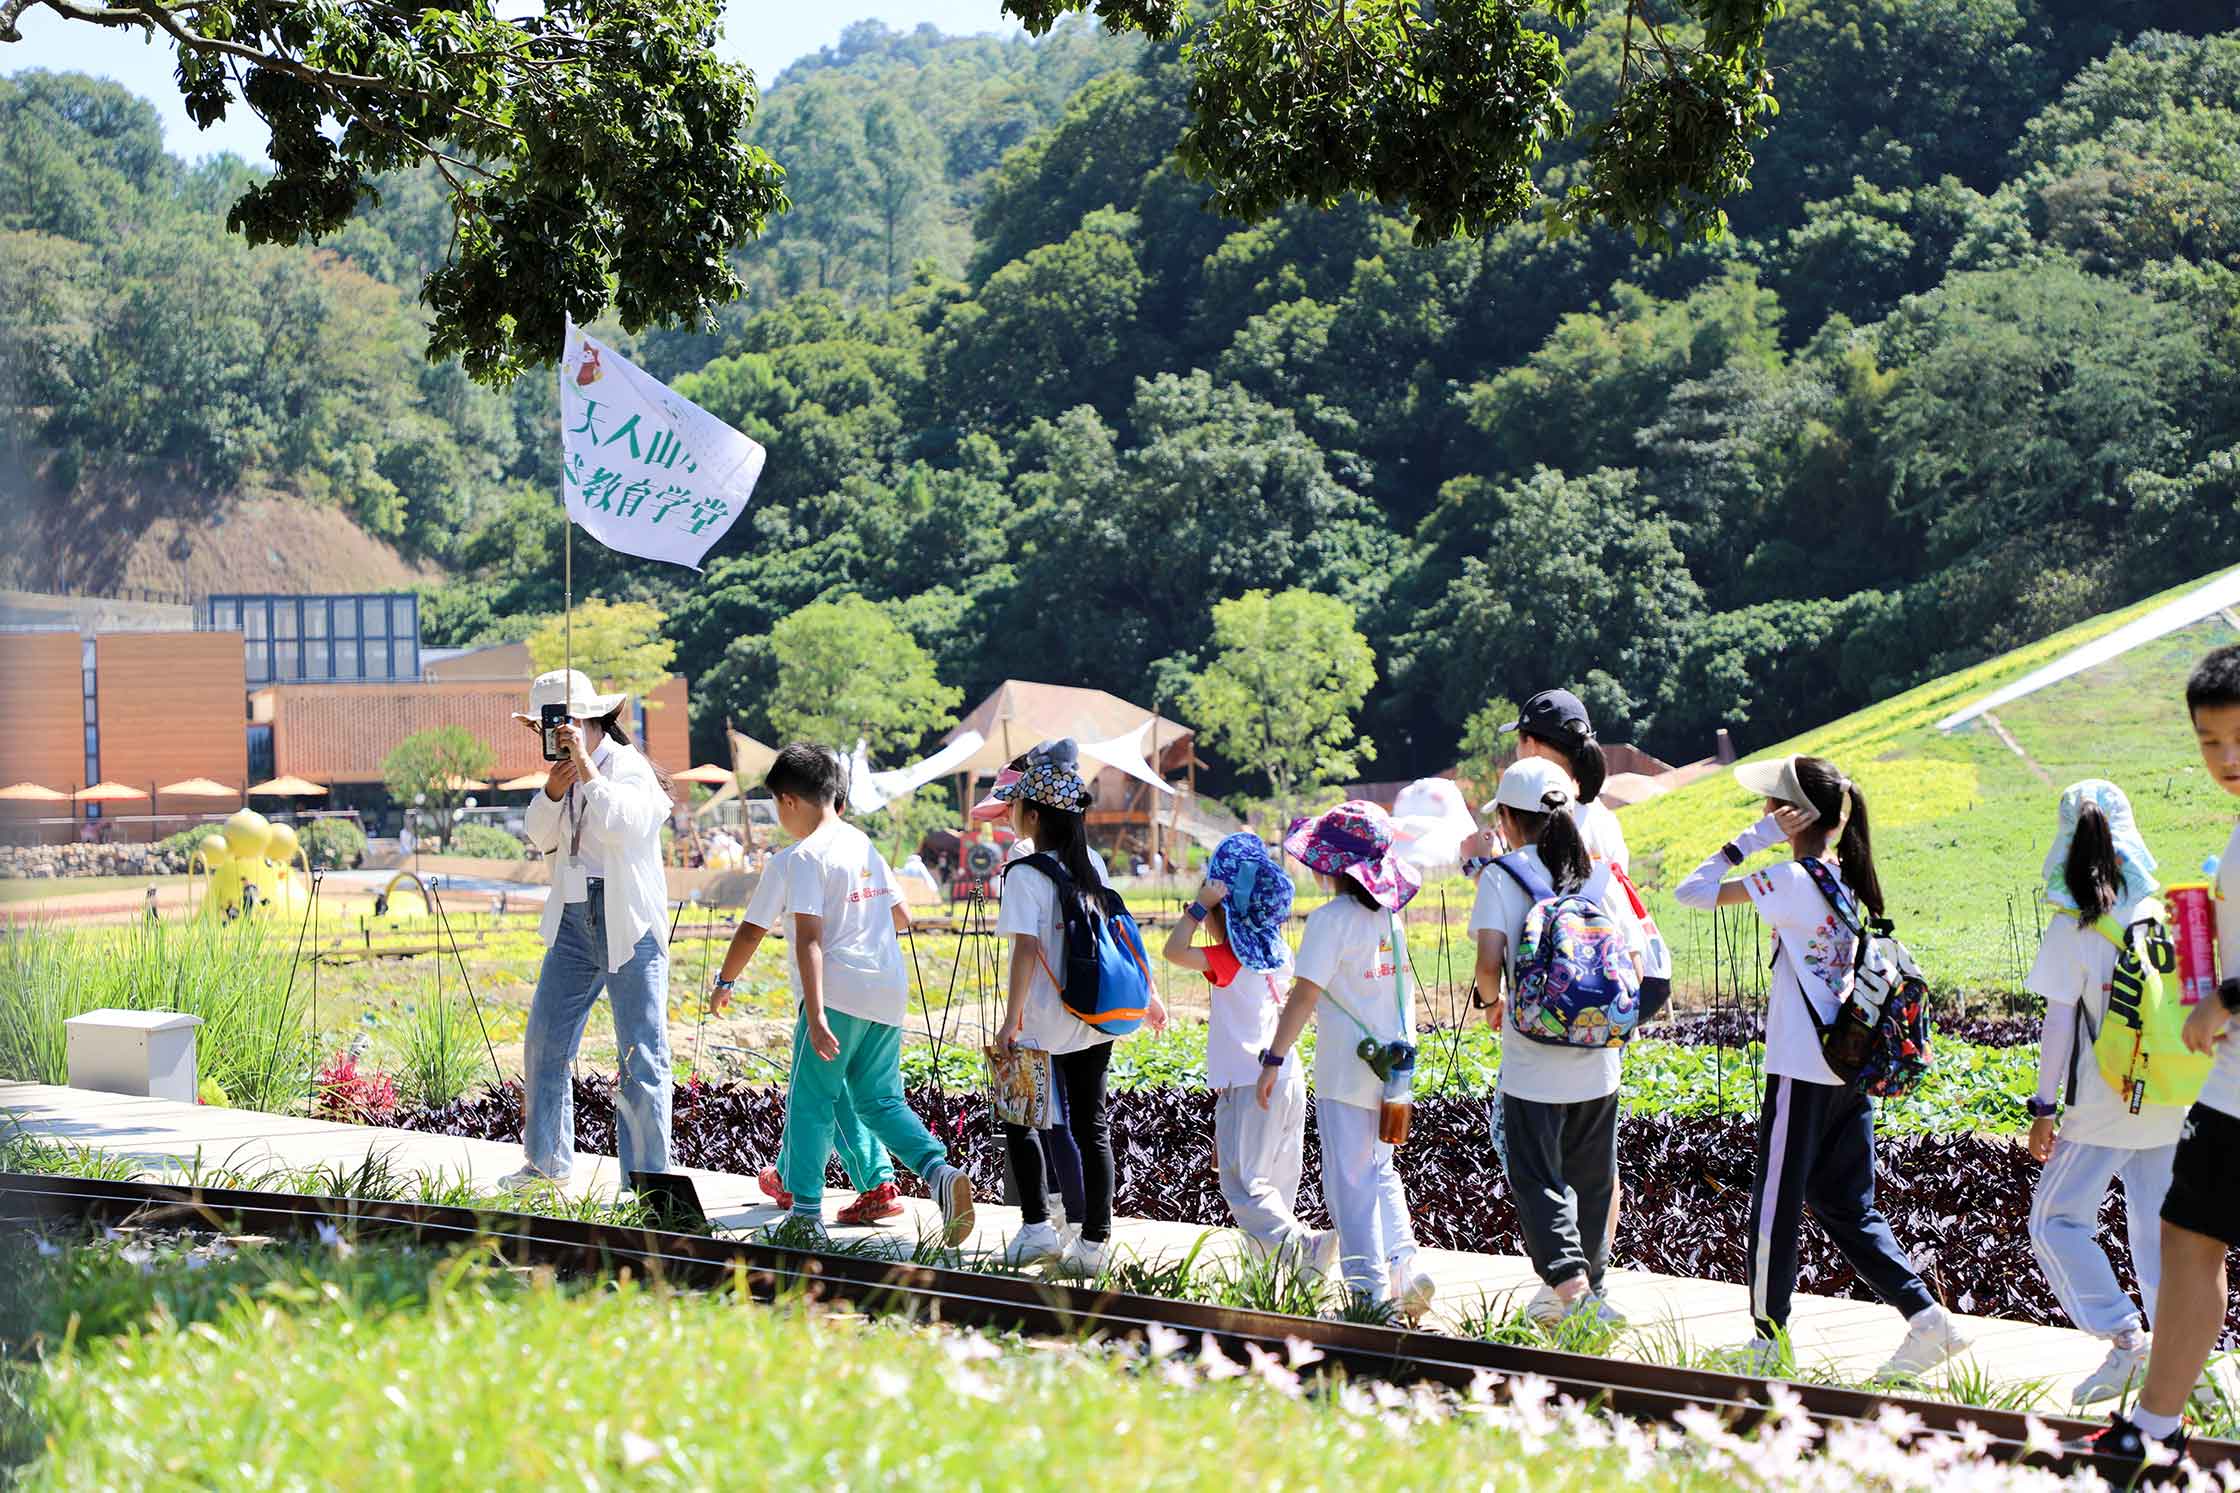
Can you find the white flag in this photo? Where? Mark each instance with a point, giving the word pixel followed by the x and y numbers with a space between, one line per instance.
pixel 645 470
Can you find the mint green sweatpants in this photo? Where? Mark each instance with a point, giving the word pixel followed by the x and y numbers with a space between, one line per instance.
pixel 867 1078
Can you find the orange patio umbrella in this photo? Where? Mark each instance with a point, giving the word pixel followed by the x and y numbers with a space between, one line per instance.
pixel 198 788
pixel 527 781
pixel 286 787
pixel 107 793
pixel 459 784
pixel 707 772
pixel 32 793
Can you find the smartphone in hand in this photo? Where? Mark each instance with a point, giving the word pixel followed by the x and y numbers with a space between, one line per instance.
pixel 550 719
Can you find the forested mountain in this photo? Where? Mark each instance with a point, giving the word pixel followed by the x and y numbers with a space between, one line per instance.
pixel 1965 372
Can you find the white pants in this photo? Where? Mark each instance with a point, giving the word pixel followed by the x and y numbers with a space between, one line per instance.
pixel 2065 1229
pixel 1257 1151
pixel 1362 1187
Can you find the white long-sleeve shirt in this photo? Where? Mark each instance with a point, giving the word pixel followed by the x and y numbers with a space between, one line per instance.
pixel 620 816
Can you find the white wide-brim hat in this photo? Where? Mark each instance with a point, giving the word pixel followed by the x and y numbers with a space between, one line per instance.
pixel 1775 779
pixel 572 688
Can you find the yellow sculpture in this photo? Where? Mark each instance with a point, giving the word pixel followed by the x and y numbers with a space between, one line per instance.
pixel 249 867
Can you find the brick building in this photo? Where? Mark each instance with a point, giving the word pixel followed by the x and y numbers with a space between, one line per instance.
pixel 238 689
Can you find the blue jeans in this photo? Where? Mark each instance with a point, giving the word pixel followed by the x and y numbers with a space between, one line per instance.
pixel 574 973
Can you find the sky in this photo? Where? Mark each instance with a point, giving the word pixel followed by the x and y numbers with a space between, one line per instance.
pixel 764 35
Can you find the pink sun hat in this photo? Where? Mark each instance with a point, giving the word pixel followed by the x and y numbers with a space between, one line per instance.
pixel 991 807
pixel 1355 839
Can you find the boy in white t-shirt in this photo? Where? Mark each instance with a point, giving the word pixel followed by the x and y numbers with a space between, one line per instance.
pixel 849 989
pixel 1559 1104
pixel 1352 959
pixel 2097 873
pixel 2201 1212
pixel 1242 907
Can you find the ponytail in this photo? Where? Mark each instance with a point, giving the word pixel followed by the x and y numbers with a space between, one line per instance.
pixel 1062 833
pixel 1555 834
pixel 1582 755
pixel 1842 805
pixel 2093 874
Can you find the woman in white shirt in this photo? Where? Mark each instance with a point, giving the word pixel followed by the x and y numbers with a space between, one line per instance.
pixel 599 818
pixel 2096 874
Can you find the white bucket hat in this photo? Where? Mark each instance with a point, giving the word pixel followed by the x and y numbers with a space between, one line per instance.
pixel 572 688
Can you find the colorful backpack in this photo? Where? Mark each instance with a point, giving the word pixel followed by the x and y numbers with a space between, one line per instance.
pixel 1576 984
pixel 1879 1041
pixel 2140 1047
pixel 1108 976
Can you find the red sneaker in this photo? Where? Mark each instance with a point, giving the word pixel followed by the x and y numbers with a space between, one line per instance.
pixel 880 1202
pixel 772 1188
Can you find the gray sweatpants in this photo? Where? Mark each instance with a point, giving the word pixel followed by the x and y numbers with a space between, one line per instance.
pixel 1258 1153
pixel 1563 1166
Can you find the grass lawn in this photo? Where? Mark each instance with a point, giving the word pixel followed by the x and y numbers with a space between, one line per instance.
pixel 158 1363
pixel 38 889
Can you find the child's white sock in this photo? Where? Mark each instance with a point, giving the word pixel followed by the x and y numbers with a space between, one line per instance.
pixel 2157 1426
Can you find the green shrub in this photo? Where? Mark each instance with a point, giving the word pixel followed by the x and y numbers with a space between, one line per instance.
pixel 333 844
pixel 171 852
pixel 487 841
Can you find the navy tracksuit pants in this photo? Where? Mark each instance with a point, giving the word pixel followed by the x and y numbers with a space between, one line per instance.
pixel 1816 1150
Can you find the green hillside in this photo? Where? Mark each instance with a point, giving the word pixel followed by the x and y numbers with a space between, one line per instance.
pixel 1961 822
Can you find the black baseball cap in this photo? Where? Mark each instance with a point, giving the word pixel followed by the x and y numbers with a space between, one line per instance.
pixel 1554 713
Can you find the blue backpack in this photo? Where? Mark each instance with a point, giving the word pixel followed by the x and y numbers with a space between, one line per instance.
pixel 1576 985
pixel 1108 976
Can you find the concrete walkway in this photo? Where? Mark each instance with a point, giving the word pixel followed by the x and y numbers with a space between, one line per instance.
pixel 1670 1315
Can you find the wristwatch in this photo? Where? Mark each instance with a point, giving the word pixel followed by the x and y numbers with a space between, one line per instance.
pixel 723 984
pixel 2042 1109
pixel 1479 1002
pixel 1268 1059
pixel 1197 911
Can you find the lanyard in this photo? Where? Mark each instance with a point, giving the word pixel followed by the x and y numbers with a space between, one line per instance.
pixel 1399 985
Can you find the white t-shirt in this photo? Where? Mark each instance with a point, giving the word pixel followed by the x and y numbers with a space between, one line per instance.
pixel 2073 968
pixel 1814 964
pixel 1540 1071
pixel 2222 1091
pixel 1030 906
pixel 1347 951
pixel 1598 827
pixel 1243 1022
pixel 839 876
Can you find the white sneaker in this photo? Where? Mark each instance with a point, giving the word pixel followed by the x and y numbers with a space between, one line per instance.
pixel 1083 1259
pixel 1608 1315
pixel 1034 1243
pixel 952 1189
pixel 528 1177
pixel 1548 1309
pixel 799 1231
pixel 1931 1338
pixel 1760 1358
pixel 2116 1374
pixel 1318 1255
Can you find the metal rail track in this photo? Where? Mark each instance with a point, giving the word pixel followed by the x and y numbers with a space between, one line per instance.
pixel 1014 1303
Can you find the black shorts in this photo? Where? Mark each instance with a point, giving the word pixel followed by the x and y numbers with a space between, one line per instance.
pixel 2202 1197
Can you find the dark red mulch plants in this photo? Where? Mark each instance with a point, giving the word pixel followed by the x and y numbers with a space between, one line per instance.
pixel 1959 1203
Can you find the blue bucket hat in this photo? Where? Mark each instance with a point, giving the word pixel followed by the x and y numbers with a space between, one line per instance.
pixel 1259 899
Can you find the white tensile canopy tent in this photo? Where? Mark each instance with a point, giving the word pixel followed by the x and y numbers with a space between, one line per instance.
pixel 2204 601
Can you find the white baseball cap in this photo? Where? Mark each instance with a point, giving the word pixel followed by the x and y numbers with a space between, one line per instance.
pixel 1776 779
pixel 1527 785
pixel 572 688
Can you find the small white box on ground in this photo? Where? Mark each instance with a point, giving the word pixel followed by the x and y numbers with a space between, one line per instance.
pixel 148 1053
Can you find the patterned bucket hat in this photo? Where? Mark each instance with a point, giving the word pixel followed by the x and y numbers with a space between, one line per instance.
pixel 1259 899
pixel 1355 839
pixel 1052 778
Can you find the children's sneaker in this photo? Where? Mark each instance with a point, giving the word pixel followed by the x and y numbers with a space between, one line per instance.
pixel 2121 1442
pixel 526 1178
pixel 881 1202
pixel 1760 1358
pixel 800 1231
pixel 1931 1338
pixel 1034 1243
pixel 773 1189
pixel 952 1189
pixel 1548 1309
pixel 2117 1372
pixel 1083 1259
pixel 1608 1315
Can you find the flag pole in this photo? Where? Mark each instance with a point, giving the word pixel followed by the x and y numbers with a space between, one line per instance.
pixel 567 590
